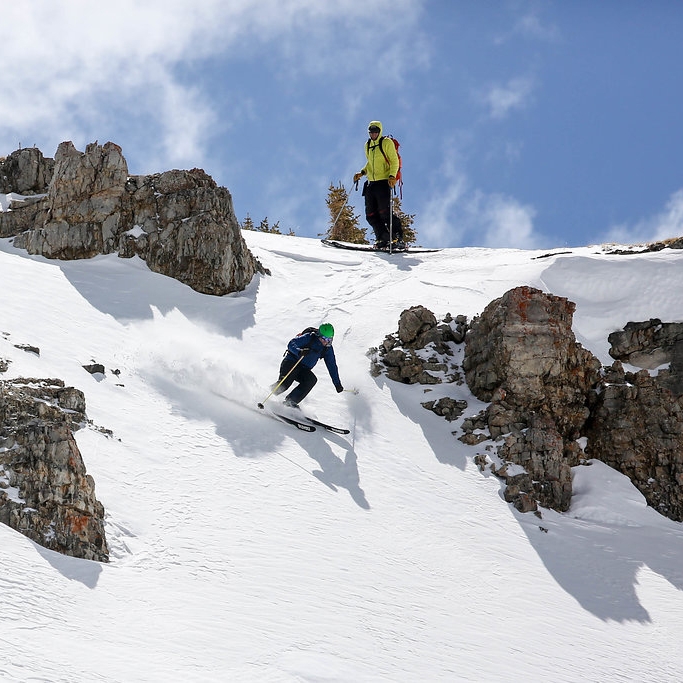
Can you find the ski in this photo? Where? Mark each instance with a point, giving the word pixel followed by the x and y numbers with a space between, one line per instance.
pixel 368 247
pixel 305 421
pixel 329 428
pixel 303 426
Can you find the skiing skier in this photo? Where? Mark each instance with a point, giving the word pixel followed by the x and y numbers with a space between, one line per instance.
pixel 381 169
pixel 303 352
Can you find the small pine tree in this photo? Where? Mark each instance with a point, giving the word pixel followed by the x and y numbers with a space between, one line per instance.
pixel 264 226
pixel 344 225
pixel 407 219
pixel 248 223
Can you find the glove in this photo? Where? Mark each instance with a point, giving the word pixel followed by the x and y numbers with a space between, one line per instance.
pixel 392 181
pixel 339 389
pixel 357 176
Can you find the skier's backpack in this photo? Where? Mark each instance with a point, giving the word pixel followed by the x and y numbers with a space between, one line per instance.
pixel 399 173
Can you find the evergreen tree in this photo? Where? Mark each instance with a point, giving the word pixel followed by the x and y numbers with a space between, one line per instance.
pixel 346 228
pixel 263 226
pixel 407 219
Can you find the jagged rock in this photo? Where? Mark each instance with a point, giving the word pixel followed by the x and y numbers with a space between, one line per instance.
pixel 672 243
pixel 522 357
pixel 187 230
pixel 94 368
pixel 28 348
pixel 413 323
pixel 446 407
pixel 540 450
pixel 651 344
pixel 45 492
pixel 544 391
pixel 25 172
pixel 180 222
pixel 636 426
pixel 421 351
pixel 523 344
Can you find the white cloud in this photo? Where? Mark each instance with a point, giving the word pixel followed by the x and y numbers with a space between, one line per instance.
pixel 502 99
pixel 505 222
pixel 73 65
pixel 666 224
pixel 460 214
pixel 531 26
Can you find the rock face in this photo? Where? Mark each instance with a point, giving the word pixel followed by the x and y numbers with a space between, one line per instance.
pixel 651 344
pixel 636 422
pixel 45 492
pixel 546 395
pixel 522 357
pixel 422 350
pixel 180 222
pixel 25 172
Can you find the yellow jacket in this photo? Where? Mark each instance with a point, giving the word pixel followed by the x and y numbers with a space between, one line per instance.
pixel 377 167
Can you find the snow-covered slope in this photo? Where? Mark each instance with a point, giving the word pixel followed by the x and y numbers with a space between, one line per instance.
pixel 245 550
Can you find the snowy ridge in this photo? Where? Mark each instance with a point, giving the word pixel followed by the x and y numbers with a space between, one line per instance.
pixel 246 550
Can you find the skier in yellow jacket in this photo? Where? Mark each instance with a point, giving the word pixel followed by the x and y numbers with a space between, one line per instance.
pixel 381 169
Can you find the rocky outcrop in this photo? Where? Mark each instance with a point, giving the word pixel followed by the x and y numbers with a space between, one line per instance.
pixel 551 404
pixel 422 351
pixel 83 204
pixel 45 492
pixel 186 228
pixel 636 417
pixel 25 172
pixel 521 356
pixel 652 344
pixel 180 222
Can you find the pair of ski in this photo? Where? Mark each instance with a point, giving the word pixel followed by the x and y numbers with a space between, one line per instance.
pixel 368 247
pixel 306 424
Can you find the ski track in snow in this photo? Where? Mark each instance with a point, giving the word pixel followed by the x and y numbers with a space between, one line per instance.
pixel 245 550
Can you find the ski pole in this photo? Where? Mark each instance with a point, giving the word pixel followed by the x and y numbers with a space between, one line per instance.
pixel 340 211
pixel 391 216
pixel 277 386
pixel 339 214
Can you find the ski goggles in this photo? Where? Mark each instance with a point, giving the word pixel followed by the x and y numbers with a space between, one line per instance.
pixel 373 129
pixel 327 341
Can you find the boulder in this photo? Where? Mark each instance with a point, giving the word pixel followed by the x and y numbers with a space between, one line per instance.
pixel 45 491
pixel 180 222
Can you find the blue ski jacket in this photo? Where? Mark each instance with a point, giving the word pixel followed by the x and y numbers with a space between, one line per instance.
pixel 309 344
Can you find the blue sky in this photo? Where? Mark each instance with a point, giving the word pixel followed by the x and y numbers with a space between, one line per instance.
pixel 523 123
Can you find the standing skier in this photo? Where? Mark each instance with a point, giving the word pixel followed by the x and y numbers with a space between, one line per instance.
pixel 303 352
pixel 381 169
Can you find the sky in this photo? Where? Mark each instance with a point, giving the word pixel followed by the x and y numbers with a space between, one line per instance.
pixel 245 550
pixel 523 123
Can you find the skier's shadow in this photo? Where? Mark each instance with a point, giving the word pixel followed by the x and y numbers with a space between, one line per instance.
pixel 240 427
pixel 334 471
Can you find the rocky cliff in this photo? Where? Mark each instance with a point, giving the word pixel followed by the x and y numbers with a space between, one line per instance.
pixel 45 492
pixel 551 404
pixel 180 222
pixel 77 206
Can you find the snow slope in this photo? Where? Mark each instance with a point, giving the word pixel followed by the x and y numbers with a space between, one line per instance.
pixel 245 550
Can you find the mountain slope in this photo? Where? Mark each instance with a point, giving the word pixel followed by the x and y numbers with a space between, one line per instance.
pixel 245 550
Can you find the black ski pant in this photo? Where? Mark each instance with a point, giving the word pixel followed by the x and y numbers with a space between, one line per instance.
pixel 377 206
pixel 301 374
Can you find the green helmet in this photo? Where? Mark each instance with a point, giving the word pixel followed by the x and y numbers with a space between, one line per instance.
pixel 326 330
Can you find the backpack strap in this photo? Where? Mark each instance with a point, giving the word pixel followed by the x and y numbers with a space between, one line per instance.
pixel 381 149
